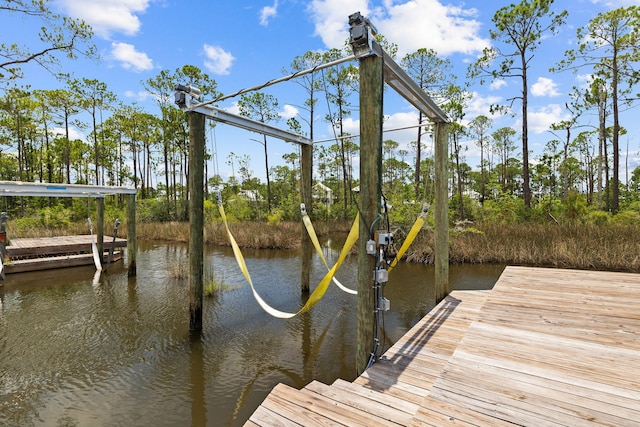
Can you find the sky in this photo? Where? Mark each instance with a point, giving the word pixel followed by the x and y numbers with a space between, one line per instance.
pixel 243 43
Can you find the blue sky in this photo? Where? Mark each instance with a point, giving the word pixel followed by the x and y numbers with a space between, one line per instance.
pixel 242 43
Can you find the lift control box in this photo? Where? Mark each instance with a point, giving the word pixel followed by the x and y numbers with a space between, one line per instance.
pixel 384 238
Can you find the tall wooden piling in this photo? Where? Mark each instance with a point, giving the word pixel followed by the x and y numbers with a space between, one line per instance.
pixel 305 188
pixel 196 218
pixel 3 235
pixel 371 90
pixel 132 248
pixel 100 226
pixel 441 212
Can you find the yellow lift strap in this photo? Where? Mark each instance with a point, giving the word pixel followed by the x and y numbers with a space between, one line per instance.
pixel 415 229
pixel 316 244
pixel 320 290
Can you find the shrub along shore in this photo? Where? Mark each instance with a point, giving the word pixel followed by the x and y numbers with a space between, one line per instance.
pixel 613 247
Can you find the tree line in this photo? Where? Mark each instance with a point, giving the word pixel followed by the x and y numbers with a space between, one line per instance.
pixel 578 174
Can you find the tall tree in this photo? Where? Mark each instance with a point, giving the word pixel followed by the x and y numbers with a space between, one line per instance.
pixel 457 100
pixel 309 82
pixel 193 76
pixel 520 27
pixel 503 143
pixel 59 36
pixel 566 126
pixel 478 129
pixel 16 117
pixel 173 121
pixel 610 46
pixel 585 150
pixel 263 108
pixel 17 130
pixel 62 104
pixel 339 84
pixel 162 89
pixel 44 107
pixel 432 74
pixel 94 98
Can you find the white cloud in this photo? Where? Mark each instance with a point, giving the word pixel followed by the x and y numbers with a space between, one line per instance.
pixel 497 84
pixel 268 12
pixel 584 80
pixel 73 133
pixel 107 17
pixel 233 109
pixel 351 126
pixel 411 24
pixel 331 19
pixel 545 87
pixel 138 96
pixel 401 120
pixel 481 106
pixel 130 58
pixel 288 111
pixel 218 60
pixel 540 120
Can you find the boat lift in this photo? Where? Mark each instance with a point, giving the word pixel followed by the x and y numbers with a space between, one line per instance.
pixel 98 192
pixel 371 57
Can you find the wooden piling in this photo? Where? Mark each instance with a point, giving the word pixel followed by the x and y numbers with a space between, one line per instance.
pixel 100 226
pixel 441 212
pixel 371 91
pixel 305 188
pixel 131 235
pixel 3 235
pixel 196 217
pixel 3 244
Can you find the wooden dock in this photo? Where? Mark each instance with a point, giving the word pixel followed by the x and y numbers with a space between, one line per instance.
pixel 545 347
pixel 32 254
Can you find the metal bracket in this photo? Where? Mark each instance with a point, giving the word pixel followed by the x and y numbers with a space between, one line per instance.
pixel 361 35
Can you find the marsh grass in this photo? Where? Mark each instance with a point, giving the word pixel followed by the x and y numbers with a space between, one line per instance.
pixel 254 235
pixel 212 285
pixel 591 247
pixel 613 247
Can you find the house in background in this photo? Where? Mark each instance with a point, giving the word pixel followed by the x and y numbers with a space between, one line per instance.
pixel 323 194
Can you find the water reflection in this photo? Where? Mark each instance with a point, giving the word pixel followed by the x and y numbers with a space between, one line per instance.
pixel 120 352
pixel 198 405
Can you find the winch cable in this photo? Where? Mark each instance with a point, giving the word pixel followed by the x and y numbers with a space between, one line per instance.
pixel 378 290
pixel 413 232
pixel 316 244
pixel 320 290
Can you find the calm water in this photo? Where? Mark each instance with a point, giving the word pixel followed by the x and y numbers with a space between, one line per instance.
pixel 119 351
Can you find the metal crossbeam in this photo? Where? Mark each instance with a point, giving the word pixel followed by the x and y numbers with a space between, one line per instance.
pixel 185 100
pixel 44 189
pixel 399 80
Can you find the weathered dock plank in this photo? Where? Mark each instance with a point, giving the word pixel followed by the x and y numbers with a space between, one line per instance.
pixel 545 351
pixel 22 247
pixel 53 262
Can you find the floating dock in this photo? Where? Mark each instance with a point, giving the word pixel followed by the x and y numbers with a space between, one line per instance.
pixel 32 254
pixel 545 347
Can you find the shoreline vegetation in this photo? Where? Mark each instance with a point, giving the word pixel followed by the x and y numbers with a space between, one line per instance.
pixel 613 247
